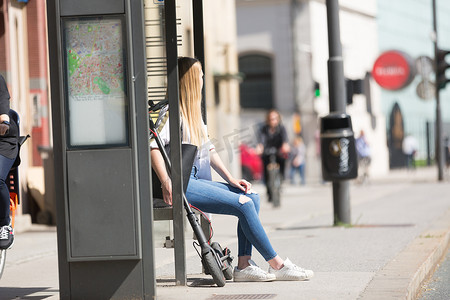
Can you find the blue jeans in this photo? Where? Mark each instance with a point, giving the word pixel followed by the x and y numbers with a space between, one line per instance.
pixel 299 169
pixel 221 198
pixel 5 166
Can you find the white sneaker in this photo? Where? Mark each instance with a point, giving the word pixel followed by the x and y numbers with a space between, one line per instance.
pixel 252 273
pixel 291 272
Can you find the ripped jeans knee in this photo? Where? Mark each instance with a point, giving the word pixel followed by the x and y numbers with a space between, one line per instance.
pixel 244 199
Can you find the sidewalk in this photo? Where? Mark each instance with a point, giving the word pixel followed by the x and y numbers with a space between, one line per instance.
pixel 400 229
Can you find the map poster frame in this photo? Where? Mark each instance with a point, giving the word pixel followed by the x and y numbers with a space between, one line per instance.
pixel 96 86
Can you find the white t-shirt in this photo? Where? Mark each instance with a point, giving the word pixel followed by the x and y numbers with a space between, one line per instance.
pixel 202 161
pixel 410 145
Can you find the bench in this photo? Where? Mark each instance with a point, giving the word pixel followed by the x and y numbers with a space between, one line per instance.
pixel 164 212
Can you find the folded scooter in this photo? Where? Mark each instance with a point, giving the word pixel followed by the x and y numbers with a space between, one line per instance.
pixel 216 261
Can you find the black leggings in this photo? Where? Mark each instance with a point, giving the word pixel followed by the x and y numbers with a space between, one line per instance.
pixel 5 166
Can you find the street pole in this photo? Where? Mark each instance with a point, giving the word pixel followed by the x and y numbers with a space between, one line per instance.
pixel 438 134
pixel 336 87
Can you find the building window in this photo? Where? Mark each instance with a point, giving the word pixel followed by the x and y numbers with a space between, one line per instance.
pixel 256 88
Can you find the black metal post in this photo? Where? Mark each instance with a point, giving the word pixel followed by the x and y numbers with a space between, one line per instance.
pixel 199 46
pixel 175 140
pixel 336 86
pixel 428 144
pixel 438 135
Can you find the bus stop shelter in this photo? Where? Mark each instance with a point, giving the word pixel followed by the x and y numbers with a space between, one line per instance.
pixel 100 138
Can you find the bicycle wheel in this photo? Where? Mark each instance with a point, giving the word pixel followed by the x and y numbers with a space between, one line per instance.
pixel 2 261
pixel 211 265
pixel 276 188
pixel 228 268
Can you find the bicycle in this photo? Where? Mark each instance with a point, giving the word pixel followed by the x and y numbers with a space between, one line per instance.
pixel 12 181
pixel 274 178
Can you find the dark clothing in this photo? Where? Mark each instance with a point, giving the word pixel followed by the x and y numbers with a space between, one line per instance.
pixel 275 140
pixel 9 142
pixel 5 166
pixel 4 96
pixel 272 139
pixel 9 149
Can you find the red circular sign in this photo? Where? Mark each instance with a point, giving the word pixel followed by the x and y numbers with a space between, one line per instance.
pixel 393 70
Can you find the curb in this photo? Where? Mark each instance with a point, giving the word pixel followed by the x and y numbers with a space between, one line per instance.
pixel 402 278
pixel 431 262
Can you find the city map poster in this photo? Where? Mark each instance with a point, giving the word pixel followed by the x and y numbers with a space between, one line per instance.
pixel 96 83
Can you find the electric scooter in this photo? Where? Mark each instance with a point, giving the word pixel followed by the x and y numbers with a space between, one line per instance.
pixel 215 260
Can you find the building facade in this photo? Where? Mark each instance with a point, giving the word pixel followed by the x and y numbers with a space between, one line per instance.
pixel 411 31
pixel 291 37
pixel 221 80
pixel 24 64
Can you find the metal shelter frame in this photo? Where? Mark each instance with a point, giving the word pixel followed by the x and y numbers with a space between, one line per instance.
pixel 174 121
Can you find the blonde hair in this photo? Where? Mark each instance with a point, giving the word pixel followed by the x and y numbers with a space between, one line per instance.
pixel 190 91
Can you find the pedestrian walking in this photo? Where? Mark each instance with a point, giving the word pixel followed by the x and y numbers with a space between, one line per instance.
pixel 364 157
pixel 410 146
pixel 298 160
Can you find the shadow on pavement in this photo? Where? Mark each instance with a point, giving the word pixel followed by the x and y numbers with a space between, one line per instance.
pixel 11 293
pixel 347 226
pixel 199 282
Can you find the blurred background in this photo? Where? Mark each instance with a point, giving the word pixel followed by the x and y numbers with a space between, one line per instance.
pixel 260 54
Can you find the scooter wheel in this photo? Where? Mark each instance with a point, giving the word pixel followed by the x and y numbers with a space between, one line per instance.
pixel 227 267
pixel 210 264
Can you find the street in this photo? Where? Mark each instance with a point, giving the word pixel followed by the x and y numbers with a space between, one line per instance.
pixel 398 223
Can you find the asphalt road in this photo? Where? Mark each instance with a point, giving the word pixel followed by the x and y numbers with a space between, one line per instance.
pixel 438 286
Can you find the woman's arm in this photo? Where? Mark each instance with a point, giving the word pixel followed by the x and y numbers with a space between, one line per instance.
pixel 4 117
pixel 160 169
pixel 219 167
pixel 3 126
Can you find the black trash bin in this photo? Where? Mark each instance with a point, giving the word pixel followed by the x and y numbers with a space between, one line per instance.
pixel 338 151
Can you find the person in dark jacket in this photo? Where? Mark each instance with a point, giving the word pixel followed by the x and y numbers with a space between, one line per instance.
pixel 9 148
pixel 273 135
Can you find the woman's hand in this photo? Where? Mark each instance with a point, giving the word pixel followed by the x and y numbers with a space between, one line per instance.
pixel 3 129
pixel 241 184
pixel 160 168
pixel 166 187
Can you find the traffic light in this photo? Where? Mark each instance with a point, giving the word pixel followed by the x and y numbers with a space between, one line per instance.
pixel 441 66
pixel 353 87
pixel 316 89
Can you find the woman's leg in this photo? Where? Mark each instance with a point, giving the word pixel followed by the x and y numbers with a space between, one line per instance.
pixel 221 198
pixel 244 245
pixel 5 166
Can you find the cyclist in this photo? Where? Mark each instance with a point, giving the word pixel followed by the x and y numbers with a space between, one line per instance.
pixel 232 198
pixel 9 148
pixel 273 135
